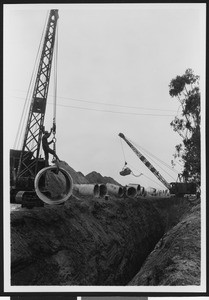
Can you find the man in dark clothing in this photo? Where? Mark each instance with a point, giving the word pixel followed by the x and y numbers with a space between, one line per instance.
pixel 45 146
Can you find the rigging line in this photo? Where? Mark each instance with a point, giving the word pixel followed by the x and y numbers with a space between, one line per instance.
pixel 162 162
pixel 55 75
pixel 26 103
pixel 158 159
pixel 29 92
pixel 136 175
pixel 154 181
pixel 133 168
pixel 22 119
pixel 123 150
pixel 159 165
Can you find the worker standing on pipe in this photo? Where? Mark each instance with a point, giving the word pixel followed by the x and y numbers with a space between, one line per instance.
pixel 45 146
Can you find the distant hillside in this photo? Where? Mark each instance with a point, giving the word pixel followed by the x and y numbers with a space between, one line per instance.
pixel 78 177
pixel 95 177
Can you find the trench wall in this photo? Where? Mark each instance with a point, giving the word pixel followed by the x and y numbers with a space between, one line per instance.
pixel 85 241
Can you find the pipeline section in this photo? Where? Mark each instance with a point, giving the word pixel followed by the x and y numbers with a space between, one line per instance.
pixel 137 187
pixel 87 189
pixel 53 185
pixel 130 191
pixel 115 190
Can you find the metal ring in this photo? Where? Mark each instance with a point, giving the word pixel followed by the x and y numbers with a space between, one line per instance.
pixel 54 139
pixel 60 198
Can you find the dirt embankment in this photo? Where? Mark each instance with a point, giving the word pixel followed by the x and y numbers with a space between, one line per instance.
pixel 176 257
pixel 83 242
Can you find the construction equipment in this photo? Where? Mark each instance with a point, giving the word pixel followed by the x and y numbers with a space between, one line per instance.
pixel 26 163
pixel 127 171
pixel 177 188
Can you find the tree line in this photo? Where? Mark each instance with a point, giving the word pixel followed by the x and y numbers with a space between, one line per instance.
pixel 186 90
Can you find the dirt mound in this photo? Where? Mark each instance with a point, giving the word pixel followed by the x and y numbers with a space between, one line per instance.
pixel 78 177
pixel 176 258
pixel 95 177
pixel 83 242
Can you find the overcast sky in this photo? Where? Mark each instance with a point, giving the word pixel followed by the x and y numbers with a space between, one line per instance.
pixel 115 63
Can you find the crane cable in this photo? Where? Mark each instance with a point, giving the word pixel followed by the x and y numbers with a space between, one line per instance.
pixel 158 159
pixel 123 151
pixel 136 175
pixel 124 167
pixel 151 157
pixel 29 94
pixel 55 90
pixel 159 184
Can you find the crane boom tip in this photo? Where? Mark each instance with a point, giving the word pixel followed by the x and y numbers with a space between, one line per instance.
pixel 121 135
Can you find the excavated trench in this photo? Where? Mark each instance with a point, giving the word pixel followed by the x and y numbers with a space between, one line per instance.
pixel 88 241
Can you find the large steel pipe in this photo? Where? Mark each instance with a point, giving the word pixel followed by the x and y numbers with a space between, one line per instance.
pixel 102 190
pixel 137 187
pixel 53 185
pixel 130 191
pixel 87 189
pixel 115 189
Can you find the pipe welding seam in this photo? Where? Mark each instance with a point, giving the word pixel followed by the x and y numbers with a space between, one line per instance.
pixel 62 197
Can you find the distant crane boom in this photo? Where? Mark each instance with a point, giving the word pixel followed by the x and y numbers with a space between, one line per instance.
pixel 145 161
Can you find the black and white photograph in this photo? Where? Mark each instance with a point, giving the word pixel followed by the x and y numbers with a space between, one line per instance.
pixel 104 148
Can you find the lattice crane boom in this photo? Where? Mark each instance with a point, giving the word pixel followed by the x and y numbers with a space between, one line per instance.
pixel 32 137
pixel 145 161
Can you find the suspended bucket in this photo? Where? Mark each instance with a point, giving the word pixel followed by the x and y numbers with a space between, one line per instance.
pixel 126 171
pixel 53 185
pixel 115 189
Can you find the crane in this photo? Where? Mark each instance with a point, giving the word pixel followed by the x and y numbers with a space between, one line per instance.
pixel 177 188
pixel 26 163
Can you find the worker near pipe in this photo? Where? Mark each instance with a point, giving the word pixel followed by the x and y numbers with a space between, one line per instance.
pixel 45 146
